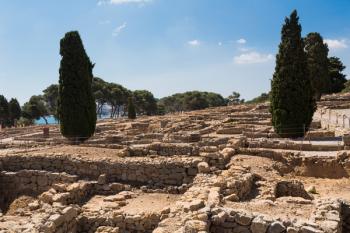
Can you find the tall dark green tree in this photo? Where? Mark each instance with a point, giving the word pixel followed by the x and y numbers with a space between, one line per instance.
pixel 131 109
pixel 317 60
pixel 76 104
pixel 292 103
pixel 14 111
pixel 337 78
pixel 4 111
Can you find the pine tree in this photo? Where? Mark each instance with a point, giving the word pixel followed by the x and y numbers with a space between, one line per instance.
pixel 14 111
pixel 317 60
pixel 131 109
pixel 292 102
pixel 76 104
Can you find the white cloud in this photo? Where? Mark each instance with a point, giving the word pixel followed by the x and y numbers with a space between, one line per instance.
pixel 252 57
pixel 119 29
pixel 194 42
pixel 241 41
pixel 119 2
pixel 336 44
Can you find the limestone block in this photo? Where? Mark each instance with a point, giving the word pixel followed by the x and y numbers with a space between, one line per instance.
pixel 57 219
pixel 69 213
pixel 259 225
pixel 276 227
pixel 194 226
pixel 195 205
pixel 243 218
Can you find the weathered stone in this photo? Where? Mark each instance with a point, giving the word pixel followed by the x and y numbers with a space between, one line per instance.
pixel 194 226
pixel 203 167
pixel 69 213
pixel 34 205
pixel 309 229
pixel 243 218
pixel 102 179
pixel 195 205
pixel 259 225
pixel 232 197
pixel 276 227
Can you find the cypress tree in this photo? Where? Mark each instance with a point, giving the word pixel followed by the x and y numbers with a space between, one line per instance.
pixel 131 109
pixel 317 60
pixel 14 111
pixel 292 102
pixel 4 111
pixel 76 104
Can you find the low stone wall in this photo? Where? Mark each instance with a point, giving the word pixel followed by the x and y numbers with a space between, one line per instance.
pixel 216 158
pixel 158 172
pixel 238 184
pixel 293 188
pixel 284 157
pixel 221 141
pixel 229 130
pixel 319 134
pixel 304 146
pixel 313 166
pixel 126 223
pixel 62 221
pixel 324 167
pixel 231 220
pixel 28 182
pixel 164 149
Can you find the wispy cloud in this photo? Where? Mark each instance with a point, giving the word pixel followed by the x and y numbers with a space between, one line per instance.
pixel 336 44
pixel 252 58
pixel 119 2
pixel 241 41
pixel 119 29
pixel 194 42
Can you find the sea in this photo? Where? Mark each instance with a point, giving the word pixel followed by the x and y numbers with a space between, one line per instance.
pixel 51 120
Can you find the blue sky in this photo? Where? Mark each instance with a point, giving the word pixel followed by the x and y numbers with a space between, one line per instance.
pixel 165 46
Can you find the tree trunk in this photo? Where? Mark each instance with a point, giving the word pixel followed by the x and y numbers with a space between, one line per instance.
pixel 45 120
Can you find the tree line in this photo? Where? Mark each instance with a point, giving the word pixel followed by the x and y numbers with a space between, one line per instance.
pixel 191 100
pixel 117 99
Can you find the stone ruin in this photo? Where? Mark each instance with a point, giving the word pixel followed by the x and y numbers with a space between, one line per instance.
pixel 216 170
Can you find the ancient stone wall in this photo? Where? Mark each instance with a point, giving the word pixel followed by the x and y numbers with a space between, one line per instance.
pixel 231 220
pixel 163 171
pixel 28 182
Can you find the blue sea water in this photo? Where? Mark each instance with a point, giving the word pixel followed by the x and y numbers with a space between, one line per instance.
pixel 53 121
pixel 50 120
